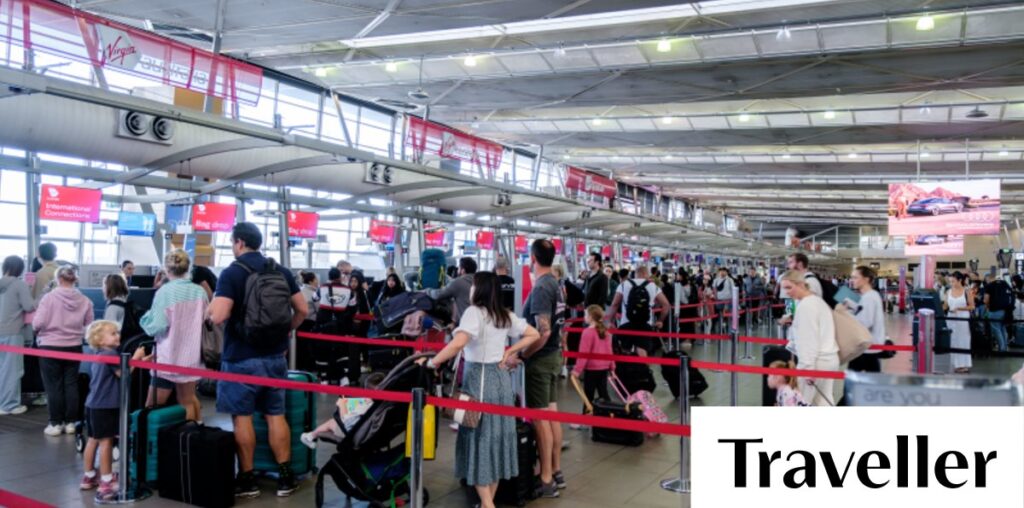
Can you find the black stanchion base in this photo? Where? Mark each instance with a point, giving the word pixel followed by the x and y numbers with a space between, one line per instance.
pixel 677 485
pixel 132 496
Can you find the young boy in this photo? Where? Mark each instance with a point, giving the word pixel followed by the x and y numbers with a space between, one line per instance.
pixel 101 410
pixel 345 415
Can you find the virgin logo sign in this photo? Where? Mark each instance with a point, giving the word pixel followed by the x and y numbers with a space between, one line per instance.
pixel 118 47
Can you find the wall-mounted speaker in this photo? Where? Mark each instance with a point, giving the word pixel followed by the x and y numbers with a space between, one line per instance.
pixel 143 127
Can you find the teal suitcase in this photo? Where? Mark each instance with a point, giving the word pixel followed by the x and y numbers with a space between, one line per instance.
pixel 144 429
pixel 300 411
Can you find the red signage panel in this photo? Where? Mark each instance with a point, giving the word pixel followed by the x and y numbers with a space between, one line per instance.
pixel 434 239
pixel 382 232
pixel 485 240
pixel 591 183
pixel 426 136
pixel 558 245
pixel 213 216
pixel 302 224
pixel 70 204
pixel 606 251
pixel 581 249
pixel 625 253
pixel 522 245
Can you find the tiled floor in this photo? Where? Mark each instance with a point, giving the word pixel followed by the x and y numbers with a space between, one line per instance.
pixel 599 475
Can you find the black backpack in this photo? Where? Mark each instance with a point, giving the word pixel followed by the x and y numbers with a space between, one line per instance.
pixel 828 291
pixel 1002 296
pixel 267 309
pixel 130 326
pixel 638 303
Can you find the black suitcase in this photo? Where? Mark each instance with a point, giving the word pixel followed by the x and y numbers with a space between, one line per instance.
pixel 383 359
pixel 670 373
pixel 636 376
pixel 617 410
pixel 197 465
pixel 523 488
pixel 771 354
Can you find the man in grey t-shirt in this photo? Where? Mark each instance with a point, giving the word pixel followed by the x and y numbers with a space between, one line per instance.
pixel 458 289
pixel 545 310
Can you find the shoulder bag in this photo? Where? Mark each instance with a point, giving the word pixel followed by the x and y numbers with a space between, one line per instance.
pixel 470 418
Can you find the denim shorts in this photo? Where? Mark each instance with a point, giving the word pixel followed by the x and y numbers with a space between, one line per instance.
pixel 239 399
pixel 159 382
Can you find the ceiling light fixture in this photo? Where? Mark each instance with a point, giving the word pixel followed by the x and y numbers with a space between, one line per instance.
pixel 977 113
pixel 783 34
pixel 664 46
pixel 475 125
pixel 744 117
pixel 666 120
pixel 786 156
pixel 829 114
pixel 925 23
pixel 1004 153
pixel 560 52
pixel 320 72
pixel 470 61
pixel 598 121
pixel 853 155
pixel 926 109
pixel 668 157
pixel 391 67
pixel 565 156
pixel 925 155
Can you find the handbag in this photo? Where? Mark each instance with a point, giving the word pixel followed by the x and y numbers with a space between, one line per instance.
pixel 429 433
pixel 469 418
pixel 852 337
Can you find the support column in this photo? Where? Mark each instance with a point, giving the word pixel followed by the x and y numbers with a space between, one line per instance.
pixel 284 245
pixel 32 199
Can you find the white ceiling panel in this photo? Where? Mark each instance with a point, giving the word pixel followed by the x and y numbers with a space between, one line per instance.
pixel 888 116
pixel 925 114
pixel 753 121
pixel 727 46
pixel 683 50
pixel 792 159
pixel 820 158
pixel 728 159
pixel 700 159
pixel 612 56
pixel 677 124
pixel 571 59
pixel 525 63
pixel 995 24
pixel 446 68
pixel 960 156
pixel 605 125
pixel 572 126
pixel 866 34
pixel 486 65
pixel 841 118
pixel 637 124
pixel 789 120
pixel 1013 111
pixel 709 122
pixel 803 40
pixel 758 159
pixel 540 126
pixel 947 28
pixel 889 157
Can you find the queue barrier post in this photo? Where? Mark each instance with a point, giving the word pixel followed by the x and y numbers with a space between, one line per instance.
pixel 137 492
pixel 681 485
pixel 925 353
pixel 746 345
pixel 419 398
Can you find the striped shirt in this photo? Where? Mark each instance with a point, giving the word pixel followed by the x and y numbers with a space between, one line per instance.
pixel 176 321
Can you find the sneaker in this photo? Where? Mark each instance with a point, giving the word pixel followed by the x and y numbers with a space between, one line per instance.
pixel 286 483
pixel 559 480
pixel 107 491
pixel 69 428
pixel 343 382
pixel 16 411
pixel 565 373
pixel 308 439
pixel 245 485
pixel 39 401
pixel 89 483
pixel 548 490
pixel 53 430
pixel 454 427
pixel 565 445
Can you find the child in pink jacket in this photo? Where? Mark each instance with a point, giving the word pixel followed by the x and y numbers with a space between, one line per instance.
pixel 60 323
pixel 597 340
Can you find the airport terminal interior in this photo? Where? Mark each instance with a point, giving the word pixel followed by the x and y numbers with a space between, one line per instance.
pixel 719 153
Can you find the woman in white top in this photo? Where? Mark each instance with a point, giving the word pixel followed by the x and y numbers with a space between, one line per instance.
pixel 868 311
pixel 959 304
pixel 487 454
pixel 813 337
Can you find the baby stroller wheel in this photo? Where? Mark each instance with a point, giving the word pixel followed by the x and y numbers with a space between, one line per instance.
pixel 79 437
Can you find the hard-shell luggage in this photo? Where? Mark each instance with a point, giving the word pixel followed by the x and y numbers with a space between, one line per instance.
pixel 522 489
pixel 394 311
pixel 383 359
pixel 300 411
pixel 618 410
pixel 651 410
pixel 432 268
pixel 635 376
pixel 670 373
pixel 771 354
pixel 197 465
pixel 144 431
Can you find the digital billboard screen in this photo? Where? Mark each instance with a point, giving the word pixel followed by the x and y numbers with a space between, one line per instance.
pixel 136 224
pixel 965 207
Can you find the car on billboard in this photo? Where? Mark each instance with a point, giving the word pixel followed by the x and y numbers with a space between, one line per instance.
pixel 930 240
pixel 935 206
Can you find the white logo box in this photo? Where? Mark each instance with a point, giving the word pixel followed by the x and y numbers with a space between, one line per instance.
pixel 989 438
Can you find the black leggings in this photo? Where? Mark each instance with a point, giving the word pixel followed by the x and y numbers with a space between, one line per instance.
pixel 60 378
pixel 595 382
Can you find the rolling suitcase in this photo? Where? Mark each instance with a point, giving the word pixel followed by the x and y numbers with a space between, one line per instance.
pixel 144 431
pixel 300 411
pixel 636 377
pixel 771 354
pixel 670 373
pixel 522 489
pixel 197 465
pixel 618 410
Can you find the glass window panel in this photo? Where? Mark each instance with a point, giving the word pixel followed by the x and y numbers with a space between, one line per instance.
pixel 12 186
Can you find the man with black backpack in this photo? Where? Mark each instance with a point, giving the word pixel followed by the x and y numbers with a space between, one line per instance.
pixel 998 300
pixel 635 300
pixel 261 304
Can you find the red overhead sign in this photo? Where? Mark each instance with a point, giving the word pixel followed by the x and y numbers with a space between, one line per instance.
pixel 70 204
pixel 382 232
pixel 581 249
pixel 591 183
pixel 646 255
pixel 558 245
pixel 434 239
pixel 522 245
pixel 302 224
pixel 606 251
pixel 52 28
pixel 625 253
pixel 426 136
pixel 485 240
pixel 213 216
